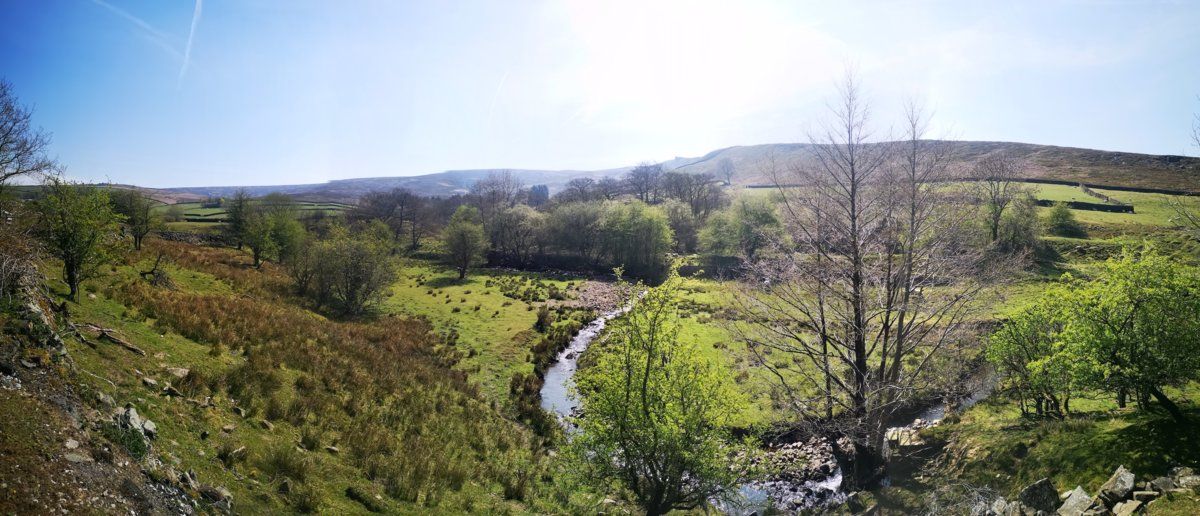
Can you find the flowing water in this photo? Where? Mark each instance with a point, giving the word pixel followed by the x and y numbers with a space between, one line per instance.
pixel 751 498
pixel 559 379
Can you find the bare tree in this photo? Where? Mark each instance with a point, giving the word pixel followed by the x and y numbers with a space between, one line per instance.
pixel 608 188
pixel 644 181
pixel 22 146
pixel 726 170
pixel 699 191
pixel 847 292
pixel 996 184
pixel 494 194
pixel 580 189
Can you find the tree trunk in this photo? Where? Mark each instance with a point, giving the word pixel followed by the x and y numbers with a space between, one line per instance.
pixel 462 272
pixel 1169 405
pixel 1122 394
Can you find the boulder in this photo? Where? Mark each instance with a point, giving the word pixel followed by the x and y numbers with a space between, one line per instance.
pixel 332 449
pixel 266 425
pixel 178 372
pixel 228 428
pixel 1181 471
pixel 1187 481
pixel 1118 487
pixel 149 429
pixel 171 391
pixel 1127 508
pixel 1040 496
pixel 1077 502
pixel 241 412
pixel 1162 484
pixel 150 382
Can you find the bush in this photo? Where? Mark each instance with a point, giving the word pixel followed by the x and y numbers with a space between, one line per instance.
pixel 1061 222
pixel 284 461
pixel 129 439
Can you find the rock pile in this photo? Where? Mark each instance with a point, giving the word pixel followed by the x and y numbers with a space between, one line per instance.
pixel 127 417
pixel 1121 495
pixel 800 476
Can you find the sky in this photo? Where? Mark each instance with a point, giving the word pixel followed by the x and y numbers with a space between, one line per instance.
pixel 221 92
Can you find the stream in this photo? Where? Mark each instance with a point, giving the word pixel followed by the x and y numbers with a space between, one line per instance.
pixel 821 487
pixel 559 379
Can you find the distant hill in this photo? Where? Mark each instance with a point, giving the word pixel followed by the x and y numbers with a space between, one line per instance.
pixel 1043 161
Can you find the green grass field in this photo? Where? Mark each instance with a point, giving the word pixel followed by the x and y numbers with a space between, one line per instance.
pixel 496 331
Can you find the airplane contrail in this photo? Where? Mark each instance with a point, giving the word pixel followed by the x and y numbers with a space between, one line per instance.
pixel 158 37
pixel 187 51
pixel 496 96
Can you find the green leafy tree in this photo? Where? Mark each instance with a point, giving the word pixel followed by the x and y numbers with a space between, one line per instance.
pixel 80 228
pixel 138 210
pixel 237 214
pixel 358 265
pixel 464 240
pixel 1131 330
pixel 638 238
pixel 745 228
pixel 1134 329
pixel 657 410
pixel 1029 356
pixel 1061 221
pixel 257 234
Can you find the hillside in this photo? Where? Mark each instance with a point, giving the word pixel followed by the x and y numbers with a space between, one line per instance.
pixel 1044 161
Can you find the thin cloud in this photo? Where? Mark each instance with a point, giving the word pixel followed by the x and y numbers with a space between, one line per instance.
pixel 156 36
pixel 187 51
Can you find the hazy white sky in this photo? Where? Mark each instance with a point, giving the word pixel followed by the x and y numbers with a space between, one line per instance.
pixel 172 93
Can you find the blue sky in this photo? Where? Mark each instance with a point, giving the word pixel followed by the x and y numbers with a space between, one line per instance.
pixel 307 91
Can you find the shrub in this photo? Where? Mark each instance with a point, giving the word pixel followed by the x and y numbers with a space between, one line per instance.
pixel 283 461
pixel 129 439
pixel 1061 222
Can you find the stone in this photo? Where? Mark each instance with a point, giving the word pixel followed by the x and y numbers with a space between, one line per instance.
pixel 28 364
pixel 215 494
pixel 241 412
pixel 999 505
pixel 1162 484
pixel 150 382
pixel 71 444
pixel 150 429
pixel 129 418
pixel 1127 508
pixel 228 428
pixel 1040 496
pixel 1144 496
pixel 332 449
pixel 178 372
pixel 203 435
pixel 266 425
pixel 1181 471
pixel 106 400
pixel 188 479
pixel 1187 481
pixel 1078 500
pixel 1118 487
pixel 172 391
pixel 77 457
